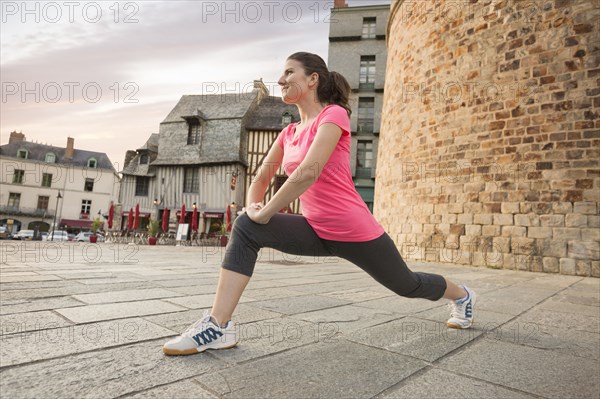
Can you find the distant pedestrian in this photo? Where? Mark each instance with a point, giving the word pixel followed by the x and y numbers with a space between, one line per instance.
pixel 315 154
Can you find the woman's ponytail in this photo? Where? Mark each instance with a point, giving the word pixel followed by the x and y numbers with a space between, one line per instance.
pixel 339 90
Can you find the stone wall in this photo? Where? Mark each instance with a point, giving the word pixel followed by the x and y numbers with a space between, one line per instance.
pixel 489 149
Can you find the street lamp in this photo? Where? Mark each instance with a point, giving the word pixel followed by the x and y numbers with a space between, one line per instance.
pixel 55 212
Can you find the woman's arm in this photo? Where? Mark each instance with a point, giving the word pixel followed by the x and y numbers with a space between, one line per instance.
pixel 264 174
pixel 305 175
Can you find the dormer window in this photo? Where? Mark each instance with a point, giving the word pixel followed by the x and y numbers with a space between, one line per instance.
pixel 22 154
pixel 194 131
pixel 92 163
pixel 286 118
pixel 143 159
pixel 50 157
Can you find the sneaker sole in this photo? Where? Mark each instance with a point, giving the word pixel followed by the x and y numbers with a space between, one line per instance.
pixel 193 351
pixel 458 326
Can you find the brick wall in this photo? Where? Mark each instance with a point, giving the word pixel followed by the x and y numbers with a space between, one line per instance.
pixel 489 148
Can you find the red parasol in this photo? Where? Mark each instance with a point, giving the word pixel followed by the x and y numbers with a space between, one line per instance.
pixel 136 219
pixel 111 215
pixel 182 216
pixel 165 220
pixel 195 220
pixel 228 218
pixel 130 219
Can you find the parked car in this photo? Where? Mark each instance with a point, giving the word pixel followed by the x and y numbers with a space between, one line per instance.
pixel 58 236
pixel 71 236
pixel 26 235
pixel 84 236
pixel 5 234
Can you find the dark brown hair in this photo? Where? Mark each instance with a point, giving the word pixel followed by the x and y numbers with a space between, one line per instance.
pixel 333 87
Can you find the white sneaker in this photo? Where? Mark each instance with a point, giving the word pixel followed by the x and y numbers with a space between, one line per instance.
pixel 461 315
pixel 202 335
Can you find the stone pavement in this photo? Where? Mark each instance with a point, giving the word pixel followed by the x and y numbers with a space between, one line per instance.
pixel 89 321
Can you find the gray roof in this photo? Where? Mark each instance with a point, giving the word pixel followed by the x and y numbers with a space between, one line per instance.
pixel 268 114
pixel 151 149
pixel 151 144
pixel 37 152
pixel 213 106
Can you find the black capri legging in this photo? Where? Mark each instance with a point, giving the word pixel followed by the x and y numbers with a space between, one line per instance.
pixel 293 235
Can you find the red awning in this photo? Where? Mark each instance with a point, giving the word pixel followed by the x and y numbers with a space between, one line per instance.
pixel 78 224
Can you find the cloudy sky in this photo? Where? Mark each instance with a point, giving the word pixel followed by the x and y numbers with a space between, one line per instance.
pixel 107 73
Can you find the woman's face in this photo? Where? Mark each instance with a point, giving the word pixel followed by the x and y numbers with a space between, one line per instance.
pixel 294 83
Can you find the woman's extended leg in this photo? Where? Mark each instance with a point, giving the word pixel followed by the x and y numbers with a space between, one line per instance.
pixel 389 269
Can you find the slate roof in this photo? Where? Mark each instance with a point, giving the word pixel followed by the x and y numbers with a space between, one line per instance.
pixel 214 106
pixel 151 148
pixel 37 152
pixel 267 116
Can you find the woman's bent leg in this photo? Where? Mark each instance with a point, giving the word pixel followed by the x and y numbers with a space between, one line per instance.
pixel 287 233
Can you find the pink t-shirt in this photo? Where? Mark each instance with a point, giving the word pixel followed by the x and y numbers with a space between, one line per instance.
pixel 331 205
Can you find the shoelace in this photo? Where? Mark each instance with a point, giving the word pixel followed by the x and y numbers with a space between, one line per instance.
pixel 458 310
pixel 197 325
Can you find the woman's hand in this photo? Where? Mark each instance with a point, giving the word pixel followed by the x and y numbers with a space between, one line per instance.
pixel 256 214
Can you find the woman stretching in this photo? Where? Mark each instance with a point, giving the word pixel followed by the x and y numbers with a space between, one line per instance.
pixel 315 154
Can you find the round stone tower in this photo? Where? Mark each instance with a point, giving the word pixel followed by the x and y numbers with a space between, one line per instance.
pixel 489 148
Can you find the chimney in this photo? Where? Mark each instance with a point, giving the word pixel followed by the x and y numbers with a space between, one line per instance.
pixel 16 137
pixel 262 89
pixel 129 155
pixel 69 150
pixel 340 4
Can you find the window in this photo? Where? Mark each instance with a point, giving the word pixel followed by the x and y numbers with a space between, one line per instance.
pixel 141 186
pixel 43 202
pixel 14 199
pixel 368 31
pixel 50 157
pixel 143 159
pixel 191 181
pixel 46 179
pixel 194 131
pixel 18 177
pixel 22 154
pixel 286 118
pixel 367 72
pixel 92 163
pixel 88 185
pixel 86 206
pixel 364 158
pixel 366 113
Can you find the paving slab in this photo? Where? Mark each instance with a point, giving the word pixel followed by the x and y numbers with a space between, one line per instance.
pixel 400 305
pixel 569 321
pixel 268 337
pixel 346 319
pixel 90 313
pixel 536 371
pixel 17 323
pixel 422 339
pixel 125 296
pixel 436 383
pixel 554 338
pixel 52 343
pixel 299 304
pixel 104 373
pixel 188 388
pixel 341 370
pixel 35 305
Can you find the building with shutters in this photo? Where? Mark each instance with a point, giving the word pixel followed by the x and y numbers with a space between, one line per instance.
pixel 33 176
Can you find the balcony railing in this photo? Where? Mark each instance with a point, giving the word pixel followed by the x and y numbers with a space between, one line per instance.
pixel 24 211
